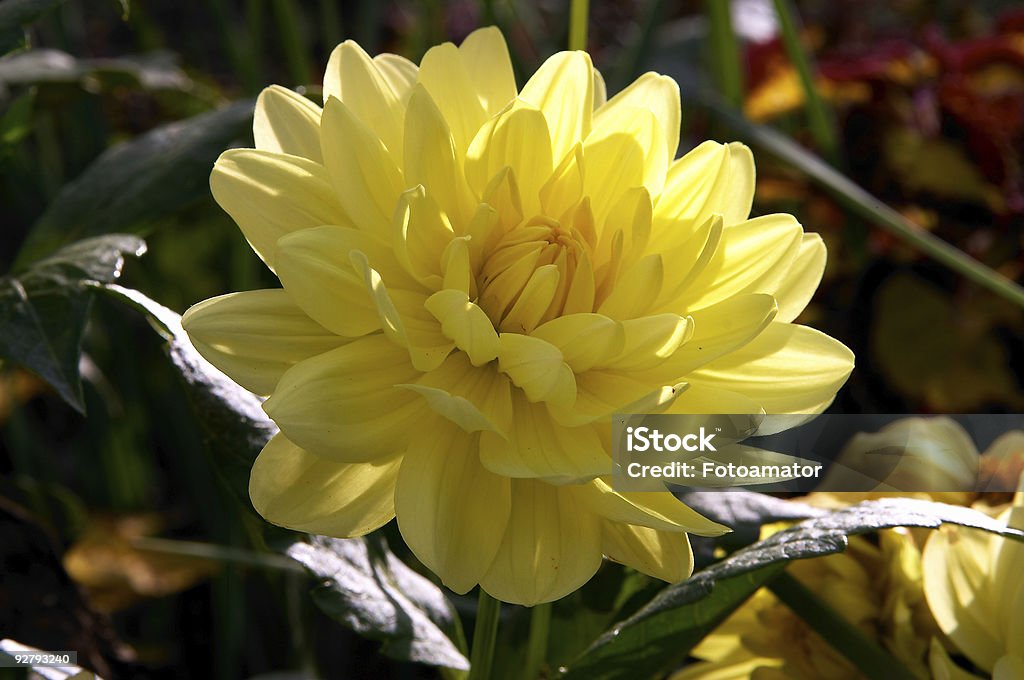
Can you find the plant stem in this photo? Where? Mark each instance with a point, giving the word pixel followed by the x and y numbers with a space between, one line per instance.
pixel 874 661
pixel 485 634
pixel 537 646
pixel 725 60
pixel 819 117
pixel 579 12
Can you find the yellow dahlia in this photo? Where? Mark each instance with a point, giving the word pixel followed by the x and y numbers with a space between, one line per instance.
pixel 474 279
pixel 974 589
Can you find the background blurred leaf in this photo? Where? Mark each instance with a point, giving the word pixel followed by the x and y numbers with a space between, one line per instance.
pixel 16 121
pixel 661 634
pixel 43 310
pixel 134 184
pixel 16 15
pixel 157 70
pixel 375 594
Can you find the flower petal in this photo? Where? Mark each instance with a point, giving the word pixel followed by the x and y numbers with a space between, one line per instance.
pixel 802 278
pixel 444 74
pixel 656 93
pixel 452 512
pixel 620 153
pixel 421 234
pixel 563 89
pixel 345 405
pixel 255 336
pixel 399 72
pixel 536 446
pixel 537 368
pixel 269 195
pixel 660 554
pixel 474 398
pixel 314 267
pixel 293 488
pixel 466 324
pixel 433 160
pixel 362 171
pixel 286 122
pixel 659 510
pixel 586 340
pixel 787 369
pixel 551 546
pixel 354 78
pixel 487 62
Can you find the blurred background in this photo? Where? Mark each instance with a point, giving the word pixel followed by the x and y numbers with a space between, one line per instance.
pixel 921 103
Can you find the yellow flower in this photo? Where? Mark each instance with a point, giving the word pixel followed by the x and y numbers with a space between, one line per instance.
pixel 876 588
pixel 974 588
pixel 474 279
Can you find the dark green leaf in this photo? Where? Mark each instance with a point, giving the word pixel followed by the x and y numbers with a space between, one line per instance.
pixel 15 16
pixel 157 70
pixel 232 418
pixel 43 310
pixel 16 121
pixel 136 183
pixel 372 592
pixel 661 634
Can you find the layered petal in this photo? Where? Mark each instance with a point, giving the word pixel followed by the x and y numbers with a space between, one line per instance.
pixel 295 489
pixel 286 122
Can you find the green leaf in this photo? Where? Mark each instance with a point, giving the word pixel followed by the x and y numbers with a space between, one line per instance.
pixel 375 594
pixel 660 635
pixel 232 419
pixel 134 184
pixel 16 16
pixel 156 70
pixel 16 122
pixel 365 586
pixel 43 310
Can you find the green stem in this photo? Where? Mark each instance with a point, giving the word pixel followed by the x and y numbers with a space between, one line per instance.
pixel 875 662
pixel 485 635
pixel 819 117
pixel 725 52
pixel 537 646
pixel 579 12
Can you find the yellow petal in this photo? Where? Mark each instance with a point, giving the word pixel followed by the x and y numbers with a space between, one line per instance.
pixel 536 446
pixel 623 151
pixel 586 340
pixel 650 341
pixel 658 510
pixel 753 257
pixel 717 330
pixel 452 512
pixel 707 400
pixel 314 267
pixel 353 77
pixel 255 336
pixel 689 259
pixel 466 325
pixel 474 398
pixel 517 139
pixel 345 405
pixel 445 76
pixel 802 278
pixel 600 393
pixel 399 72
pixel 787 369
pixel 636 289
pixel 533 302
pixel 563 89
pixel 404 318
pixel 943 667
pixel 711 179
pixel 363 173
pixel 537 368
pixel 564 188
pixel 600 89
pixel 286 122
pixel 551 546
pixel 269 195
pixel 489 67
pixel 656 93
pixel 421 234
pixel 660 554
pixel 293 488
pixel 432 159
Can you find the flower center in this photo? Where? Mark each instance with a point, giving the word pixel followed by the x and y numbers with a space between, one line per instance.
pixel 530 275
